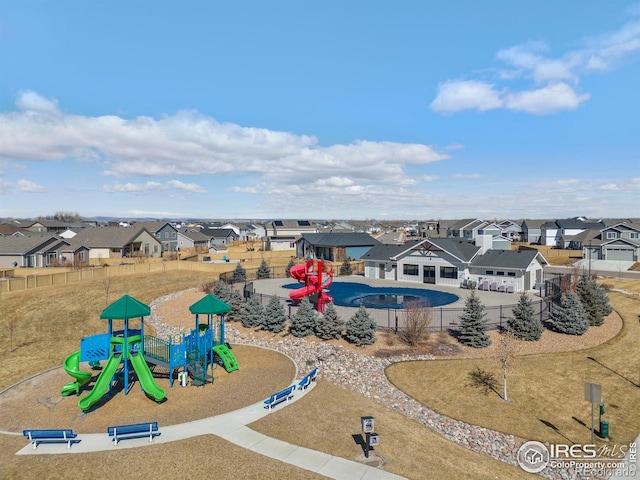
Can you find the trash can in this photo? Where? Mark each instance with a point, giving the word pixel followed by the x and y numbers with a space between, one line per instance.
pixel 604 429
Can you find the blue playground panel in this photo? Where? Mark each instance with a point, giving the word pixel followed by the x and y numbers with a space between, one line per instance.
pixel 351 294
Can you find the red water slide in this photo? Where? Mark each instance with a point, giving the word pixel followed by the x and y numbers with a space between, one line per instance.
pixel 317 276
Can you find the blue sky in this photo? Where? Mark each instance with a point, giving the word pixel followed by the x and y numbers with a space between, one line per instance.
pixel 334 109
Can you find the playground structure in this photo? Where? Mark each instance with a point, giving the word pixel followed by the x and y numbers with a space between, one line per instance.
pixel 317 276
pixel 131 348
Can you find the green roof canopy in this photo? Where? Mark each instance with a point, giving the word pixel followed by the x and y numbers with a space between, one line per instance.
pixel 124 308
pixel 209 305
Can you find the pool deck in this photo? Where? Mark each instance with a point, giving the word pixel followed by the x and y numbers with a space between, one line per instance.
pixel 274 287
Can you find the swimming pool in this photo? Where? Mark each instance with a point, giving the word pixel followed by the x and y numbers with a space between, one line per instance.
pixel 351 294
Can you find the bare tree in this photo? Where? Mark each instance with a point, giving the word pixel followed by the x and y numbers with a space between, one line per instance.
pixel 417 321
pixel 505 356
pixel 13 323
pixel 106 285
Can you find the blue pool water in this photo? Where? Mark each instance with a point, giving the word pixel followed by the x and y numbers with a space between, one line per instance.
pixel 350 294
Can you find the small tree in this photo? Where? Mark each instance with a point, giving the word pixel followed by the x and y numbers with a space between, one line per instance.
pixel 525 324
pixel 505 356
pixel 236 303
pixel 569 317
pixel 222 290
pixel 263 271
pixel 106 285
pixel 345 268
pixel 602 299
pixel 361 328
pixel 472 323
pixel 304 321
pixel 239 274
pixel 417 321
pixel 586 290
pixel 252 312
pixel 275 319
pixel 289 265
pixel 330 325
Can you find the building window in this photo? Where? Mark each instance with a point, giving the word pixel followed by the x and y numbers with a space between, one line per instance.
pixel 511 274
pixel 634 235
pixel 488 272
pixel 408 269
pixel 612 235
pixel 166 234
pixel 448 272
pixel 173 234
pixel 500 274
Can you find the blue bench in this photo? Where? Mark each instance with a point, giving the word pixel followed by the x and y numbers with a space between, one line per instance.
pixel 51 436
pixel 306 381
pixel 133 430
pixel 279 397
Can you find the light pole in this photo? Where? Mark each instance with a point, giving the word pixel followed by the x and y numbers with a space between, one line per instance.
pixel 589 258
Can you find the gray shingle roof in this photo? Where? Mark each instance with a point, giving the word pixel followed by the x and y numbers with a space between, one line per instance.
pixel 342 239
pixel 509 259
pixel 384 252
pixel 106 237
pixel 462 249
pixel 22 245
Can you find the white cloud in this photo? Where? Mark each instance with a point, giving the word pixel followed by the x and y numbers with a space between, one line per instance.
pixel 429 178
pixel 457 95
pixel 189 143
pixel 550 99
pixel 550 92
pixel 153 187
pixel 33 102
pixel 529 57
pixel 25 186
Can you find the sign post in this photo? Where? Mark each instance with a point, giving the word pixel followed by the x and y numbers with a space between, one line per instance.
pixel 593 394
pixel 367 424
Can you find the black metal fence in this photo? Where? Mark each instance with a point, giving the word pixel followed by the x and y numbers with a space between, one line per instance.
pixel 442 318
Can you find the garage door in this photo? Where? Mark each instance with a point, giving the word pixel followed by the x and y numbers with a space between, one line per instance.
pixel 624 254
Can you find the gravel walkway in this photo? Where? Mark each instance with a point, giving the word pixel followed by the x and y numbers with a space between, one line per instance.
pixel 347 368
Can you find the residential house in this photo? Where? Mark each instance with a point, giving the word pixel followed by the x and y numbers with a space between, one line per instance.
pixel 467 228
pixel 117 242
pixel 532 230
pixel 511 230
pixel 221 236
pixel 283 234
pixel 29 250
pixel 552 232
pixel 334 246
pixel 617 243
pixel 168 236
pixel 192 239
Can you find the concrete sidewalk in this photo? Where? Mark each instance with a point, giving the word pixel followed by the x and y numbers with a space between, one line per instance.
pixel 231 427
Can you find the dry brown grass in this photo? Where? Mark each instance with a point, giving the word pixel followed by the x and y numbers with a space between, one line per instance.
pixel 329 416
pixel 199 457
pixel 547 390
pixel 557 256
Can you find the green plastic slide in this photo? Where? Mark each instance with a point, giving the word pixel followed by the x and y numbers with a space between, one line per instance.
pixel 102 384
pixel 228 360
pixel 71 365
pixel 145 377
